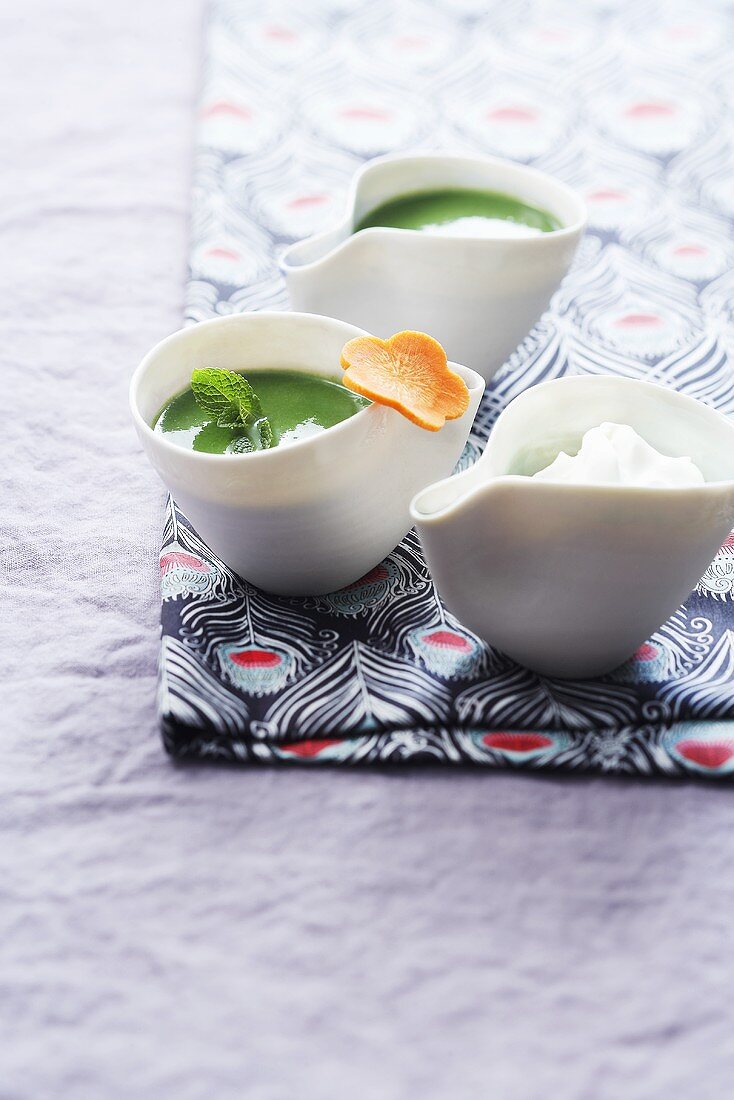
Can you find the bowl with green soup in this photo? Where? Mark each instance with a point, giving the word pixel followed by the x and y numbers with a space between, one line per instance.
pixel 470 249
pixel 297 483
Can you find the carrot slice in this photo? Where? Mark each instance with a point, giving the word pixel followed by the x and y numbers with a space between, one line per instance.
pixel 409 373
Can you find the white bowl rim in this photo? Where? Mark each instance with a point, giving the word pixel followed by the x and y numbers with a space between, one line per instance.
pixel 580 489
pixel 157 439
pixel 438 240
pixel 474 158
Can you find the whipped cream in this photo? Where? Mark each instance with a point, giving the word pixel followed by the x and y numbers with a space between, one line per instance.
pixel 614 454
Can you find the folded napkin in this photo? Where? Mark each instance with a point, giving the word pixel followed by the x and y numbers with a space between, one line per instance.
pixel 379 671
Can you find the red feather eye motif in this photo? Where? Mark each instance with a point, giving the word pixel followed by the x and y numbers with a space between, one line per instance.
pixel 707 754
pixel 517 742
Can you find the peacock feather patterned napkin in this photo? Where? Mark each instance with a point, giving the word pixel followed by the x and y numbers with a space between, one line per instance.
pixel 630 104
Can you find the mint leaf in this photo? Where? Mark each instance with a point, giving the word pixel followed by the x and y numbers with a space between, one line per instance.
pixel 231 402
pixel 212 439
pixel 225 396
pixel 242 445
pixel 264 429
pixel 248 401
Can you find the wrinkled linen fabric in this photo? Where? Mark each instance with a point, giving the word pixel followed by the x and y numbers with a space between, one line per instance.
pixel 380 672
pixel 184 933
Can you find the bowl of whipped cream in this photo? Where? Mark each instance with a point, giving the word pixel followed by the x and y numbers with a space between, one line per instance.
pixel 595 508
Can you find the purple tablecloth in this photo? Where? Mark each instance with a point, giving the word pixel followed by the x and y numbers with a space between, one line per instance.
pixel 177 933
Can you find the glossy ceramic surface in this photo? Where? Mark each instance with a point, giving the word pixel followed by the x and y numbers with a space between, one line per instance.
pixel 567 579
pixel 478 296
pixel 311 516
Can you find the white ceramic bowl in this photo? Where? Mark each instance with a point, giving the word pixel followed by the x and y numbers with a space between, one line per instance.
pixel 478 296
pixel 571 579
pixel 307 517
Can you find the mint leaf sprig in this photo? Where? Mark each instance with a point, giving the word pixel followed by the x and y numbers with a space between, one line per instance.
pixel 232 403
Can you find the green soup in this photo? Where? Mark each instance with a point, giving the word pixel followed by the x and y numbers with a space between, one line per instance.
pixel 296 404
pixel 462 213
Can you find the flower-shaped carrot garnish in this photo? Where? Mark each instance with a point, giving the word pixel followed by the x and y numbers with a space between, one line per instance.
pixel 409 373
